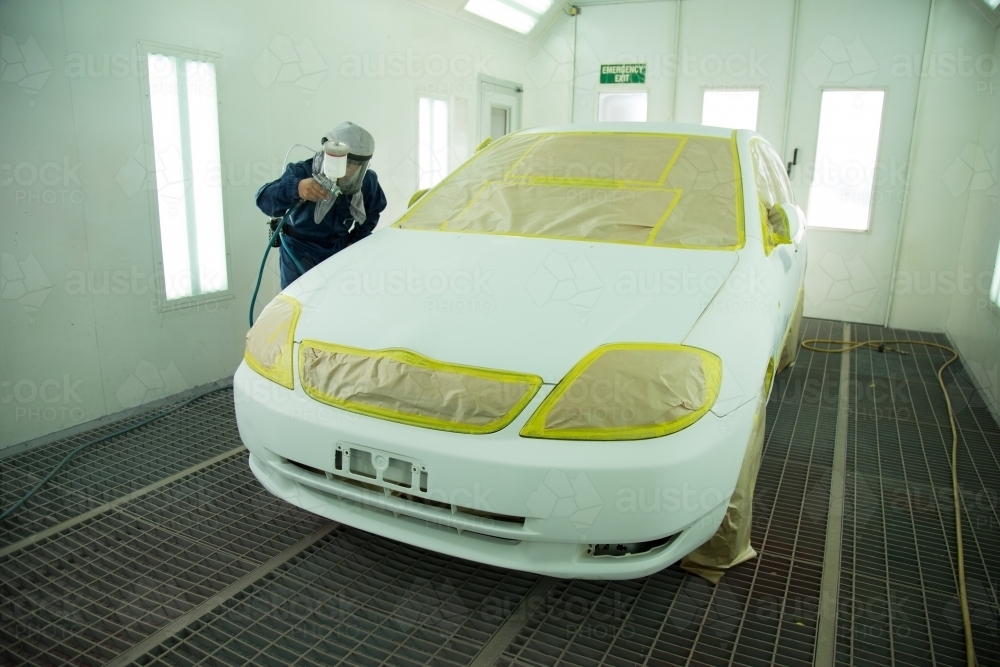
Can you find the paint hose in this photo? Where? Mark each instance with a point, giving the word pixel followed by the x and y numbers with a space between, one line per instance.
pixel 263 260
pixel 13 508
pixel 882 346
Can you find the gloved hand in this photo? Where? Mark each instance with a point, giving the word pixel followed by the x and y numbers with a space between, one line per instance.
pixel 310 190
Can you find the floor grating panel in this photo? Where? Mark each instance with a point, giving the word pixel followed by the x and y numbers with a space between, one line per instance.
pixel 89 591
pixel 115 467
pixel 358 599
pixel 898 599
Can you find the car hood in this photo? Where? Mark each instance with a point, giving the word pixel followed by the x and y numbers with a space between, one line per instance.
pixel 511 303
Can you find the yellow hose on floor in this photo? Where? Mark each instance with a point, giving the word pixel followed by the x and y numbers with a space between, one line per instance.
pixel 880 345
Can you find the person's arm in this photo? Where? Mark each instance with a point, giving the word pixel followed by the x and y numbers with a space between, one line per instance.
pixel 296 183
pixel 375 203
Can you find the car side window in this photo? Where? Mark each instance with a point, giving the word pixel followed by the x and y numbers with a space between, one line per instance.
pixel 784 186
pixel 772 190
pixel 779 175
pixel 762 176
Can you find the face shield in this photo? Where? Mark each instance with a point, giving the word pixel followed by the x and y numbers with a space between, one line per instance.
pixel 351 181
pixel 361 147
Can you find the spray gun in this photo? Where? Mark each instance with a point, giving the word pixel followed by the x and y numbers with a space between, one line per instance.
pixel 334 166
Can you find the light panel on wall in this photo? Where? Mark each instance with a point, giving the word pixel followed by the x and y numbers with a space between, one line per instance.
pixel 995 287
pixel 622 107
pixel 840 195
pixel 432 148
pixel 518 15
pixel 185 127
pixel 730 108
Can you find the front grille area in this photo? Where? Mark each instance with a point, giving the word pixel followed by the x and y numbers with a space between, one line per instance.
pixel 411 498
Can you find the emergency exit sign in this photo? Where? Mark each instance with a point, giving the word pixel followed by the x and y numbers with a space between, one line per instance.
pixel 626 73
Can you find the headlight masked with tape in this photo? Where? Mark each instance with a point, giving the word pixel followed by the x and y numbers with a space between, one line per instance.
pixel 270 340
pixel 406 387
pixel 629 391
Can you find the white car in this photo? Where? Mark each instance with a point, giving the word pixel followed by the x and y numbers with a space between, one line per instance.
pixel 555 361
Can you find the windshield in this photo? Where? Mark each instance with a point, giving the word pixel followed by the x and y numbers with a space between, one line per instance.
pixel 646 189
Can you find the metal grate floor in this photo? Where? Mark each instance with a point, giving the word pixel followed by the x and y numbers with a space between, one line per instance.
pixel 88 593
pixel 898 600
pixel 115 467
pixel 211 569
pixel 356 599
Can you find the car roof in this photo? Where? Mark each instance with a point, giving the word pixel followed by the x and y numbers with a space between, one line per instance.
pixel 645 128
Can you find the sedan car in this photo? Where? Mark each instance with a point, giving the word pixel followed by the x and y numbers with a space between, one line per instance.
pixel 556 360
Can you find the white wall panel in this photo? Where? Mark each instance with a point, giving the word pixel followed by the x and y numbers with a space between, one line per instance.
pixel 973 324
pixel 959 69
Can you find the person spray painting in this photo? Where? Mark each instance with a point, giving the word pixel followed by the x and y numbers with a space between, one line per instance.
pixel 325 215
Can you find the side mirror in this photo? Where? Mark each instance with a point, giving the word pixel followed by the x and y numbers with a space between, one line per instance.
pixel 417 195
pixel 792 218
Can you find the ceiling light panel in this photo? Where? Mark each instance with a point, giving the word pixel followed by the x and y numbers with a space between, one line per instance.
pixel 505 14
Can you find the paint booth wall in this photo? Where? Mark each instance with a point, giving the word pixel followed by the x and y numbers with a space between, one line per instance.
pixel 973 323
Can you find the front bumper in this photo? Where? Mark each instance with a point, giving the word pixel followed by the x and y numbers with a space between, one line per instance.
pixel 521 503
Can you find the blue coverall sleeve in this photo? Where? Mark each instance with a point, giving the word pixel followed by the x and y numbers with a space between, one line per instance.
pixel 375 203
pixel 278 196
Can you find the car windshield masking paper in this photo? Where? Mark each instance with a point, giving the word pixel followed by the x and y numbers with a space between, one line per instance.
pixel 645 189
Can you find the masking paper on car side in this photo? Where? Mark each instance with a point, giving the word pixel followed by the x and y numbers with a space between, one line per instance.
pixel 269 341
pixel 645 189
pixel 404 386
pixel 730 545
pixel 629 391
pixel 790 346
